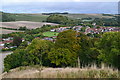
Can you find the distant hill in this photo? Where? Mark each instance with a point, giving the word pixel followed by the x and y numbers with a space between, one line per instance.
pixel 41 17
pixel 24 17
pixel 6 17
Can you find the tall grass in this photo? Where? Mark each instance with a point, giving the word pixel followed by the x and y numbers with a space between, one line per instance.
pixel 43 72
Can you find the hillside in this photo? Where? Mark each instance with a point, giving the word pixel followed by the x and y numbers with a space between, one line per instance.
pixel 39 17
pixel 24 17
pixel 93 16
pixel 30 17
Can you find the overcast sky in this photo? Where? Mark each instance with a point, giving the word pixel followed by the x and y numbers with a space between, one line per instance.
pixel 8 2
pixel 36 6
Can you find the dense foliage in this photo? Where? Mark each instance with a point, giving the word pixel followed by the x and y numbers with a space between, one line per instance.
pixel 107 22
pixel 60 19
pixel 69 48
pixel 109 45
pixel 17 40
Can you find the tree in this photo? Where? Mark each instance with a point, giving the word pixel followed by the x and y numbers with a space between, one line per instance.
pixel 14 60
pixel 88 52
pixel 110 48
pixel 67 39
pixel 83 29
pixel 34 54
pixel 23 45
pixel 23 28
pixel 54 18
pixel 38 51
pixel 62 57
pixel 17 40
pixel 29 37
pixel 64 20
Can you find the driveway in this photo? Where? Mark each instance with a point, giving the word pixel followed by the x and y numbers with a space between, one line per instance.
pixel 2 56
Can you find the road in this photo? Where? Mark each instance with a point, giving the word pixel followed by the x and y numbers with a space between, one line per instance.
pixel 2 56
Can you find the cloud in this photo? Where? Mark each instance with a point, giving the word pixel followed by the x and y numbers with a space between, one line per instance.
pixel 6 2
pixel 77 0
pixel 99 0
pixel 11 1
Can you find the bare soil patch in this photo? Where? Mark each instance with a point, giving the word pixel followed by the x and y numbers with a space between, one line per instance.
pixel 28 24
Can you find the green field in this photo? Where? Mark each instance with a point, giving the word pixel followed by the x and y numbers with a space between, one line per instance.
pixel 41 18
pixel 50 34
pixel 93 16
pixel 30 17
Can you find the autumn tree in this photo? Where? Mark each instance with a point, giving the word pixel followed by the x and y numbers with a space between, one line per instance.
pixel 68 39
pixel 62 57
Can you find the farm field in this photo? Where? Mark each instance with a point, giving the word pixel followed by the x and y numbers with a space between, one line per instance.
pixel 79 16
pixel 50 34
pixel 29 17
pixel 28 24
pixel 5 31
pixel 39 17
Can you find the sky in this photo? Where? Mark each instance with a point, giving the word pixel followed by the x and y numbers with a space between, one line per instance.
pixel 9 2
pixel 72 6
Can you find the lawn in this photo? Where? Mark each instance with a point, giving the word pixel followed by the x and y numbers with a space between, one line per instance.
pixel 50 34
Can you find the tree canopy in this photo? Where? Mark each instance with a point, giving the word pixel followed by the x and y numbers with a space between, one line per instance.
pixel 70 49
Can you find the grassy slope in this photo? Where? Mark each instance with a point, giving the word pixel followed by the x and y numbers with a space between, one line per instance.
pixel 30 17
pixel 38 72
pixel 79 16
pixel 39 17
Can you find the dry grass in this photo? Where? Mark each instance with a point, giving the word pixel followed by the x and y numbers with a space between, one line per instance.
pixel 38 72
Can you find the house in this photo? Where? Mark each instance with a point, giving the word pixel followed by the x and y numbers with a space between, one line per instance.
pixel 77 28
pixel 93 24
pixel 61 29
pixel 101 29
pixel 54 37
pixel 7 39
pixel 2 43
pixel 48 38
pixel 52 30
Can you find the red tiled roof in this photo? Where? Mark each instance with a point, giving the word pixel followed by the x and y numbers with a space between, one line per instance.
pixel 10 41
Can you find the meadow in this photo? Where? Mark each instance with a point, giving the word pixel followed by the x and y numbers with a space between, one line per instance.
pixel 30 17
pixel 50 34
pixel 93 16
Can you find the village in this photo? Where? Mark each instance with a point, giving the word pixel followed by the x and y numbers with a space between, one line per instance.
pixel 5 43
pixel 57 39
